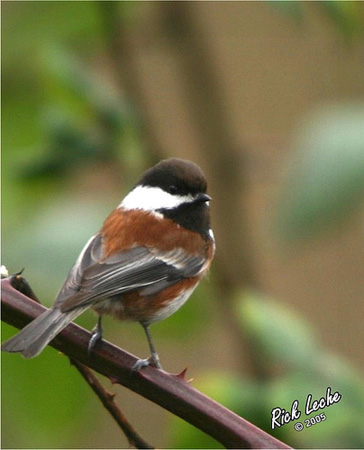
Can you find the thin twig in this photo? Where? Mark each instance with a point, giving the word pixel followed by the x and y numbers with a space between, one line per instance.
pixel 170 391
pixel 107 399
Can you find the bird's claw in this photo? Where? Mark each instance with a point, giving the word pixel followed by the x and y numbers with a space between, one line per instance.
pixel 95 338
pixel 151 361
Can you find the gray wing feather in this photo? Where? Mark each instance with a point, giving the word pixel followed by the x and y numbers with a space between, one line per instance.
pixel 93 277
pixel 90 254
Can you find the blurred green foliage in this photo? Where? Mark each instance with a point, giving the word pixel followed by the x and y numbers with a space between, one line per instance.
pixel 347 16
pixel 325 182
pixel 299 366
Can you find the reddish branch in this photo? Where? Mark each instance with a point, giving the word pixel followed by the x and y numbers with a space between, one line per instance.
pixel 171 392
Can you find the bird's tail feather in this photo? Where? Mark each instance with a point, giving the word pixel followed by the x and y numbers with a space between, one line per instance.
pixel 32 339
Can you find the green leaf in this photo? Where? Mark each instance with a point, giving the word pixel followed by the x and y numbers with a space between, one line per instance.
pixel 276 332
pixel 346 15
pixel 71 81
pixel 325 182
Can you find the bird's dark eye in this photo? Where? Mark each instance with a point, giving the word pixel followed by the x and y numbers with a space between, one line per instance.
pixel 173 189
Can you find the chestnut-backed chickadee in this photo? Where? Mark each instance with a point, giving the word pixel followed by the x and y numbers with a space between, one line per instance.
pixel 142 265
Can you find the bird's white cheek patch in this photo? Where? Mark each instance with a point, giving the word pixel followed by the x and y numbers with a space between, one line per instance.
pixel 153 198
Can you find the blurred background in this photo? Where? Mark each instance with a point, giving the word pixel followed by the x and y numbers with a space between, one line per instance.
pixel 268 98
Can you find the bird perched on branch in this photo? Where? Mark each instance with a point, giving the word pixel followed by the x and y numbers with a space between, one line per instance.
pixel 143 264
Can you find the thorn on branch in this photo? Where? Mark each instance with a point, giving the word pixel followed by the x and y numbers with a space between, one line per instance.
pixel 114 380
pixel 21 284
pixel 182 375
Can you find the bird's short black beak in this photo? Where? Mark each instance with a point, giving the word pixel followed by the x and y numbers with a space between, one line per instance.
pixel 203 198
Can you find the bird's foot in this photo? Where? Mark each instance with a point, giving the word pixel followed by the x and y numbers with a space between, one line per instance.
pixel 95 338
pixel 153 360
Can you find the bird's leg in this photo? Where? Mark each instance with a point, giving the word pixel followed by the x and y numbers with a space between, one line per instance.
pixel 153 359
pixel 96 336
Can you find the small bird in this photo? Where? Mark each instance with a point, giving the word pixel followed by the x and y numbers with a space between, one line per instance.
pixel 143 264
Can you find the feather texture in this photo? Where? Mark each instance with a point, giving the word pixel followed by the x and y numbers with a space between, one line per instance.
pixel 130 270
pixel 32 339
